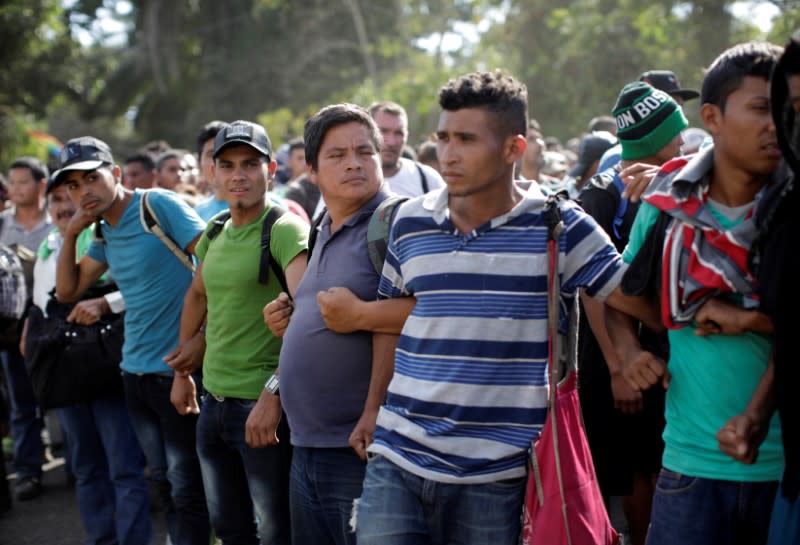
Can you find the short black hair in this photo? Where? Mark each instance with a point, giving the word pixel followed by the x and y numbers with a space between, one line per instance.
pixel 166 156
pixel 332 116
pixel 143 158
pixel 426 153
pixel 726 73
pixel 38 168
pixel 602 123
pixel 296 143
pixel 494 91
pixel 208 132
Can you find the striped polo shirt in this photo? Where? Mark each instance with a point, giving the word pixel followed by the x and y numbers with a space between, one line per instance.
pixel 469 390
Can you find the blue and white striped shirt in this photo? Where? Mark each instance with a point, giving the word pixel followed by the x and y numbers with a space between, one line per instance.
pixel 469 390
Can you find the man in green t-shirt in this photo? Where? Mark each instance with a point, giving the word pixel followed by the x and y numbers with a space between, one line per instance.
pixel 244 452
pixel 688 247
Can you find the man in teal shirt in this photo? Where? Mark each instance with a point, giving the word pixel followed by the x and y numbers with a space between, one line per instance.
pixel 688 248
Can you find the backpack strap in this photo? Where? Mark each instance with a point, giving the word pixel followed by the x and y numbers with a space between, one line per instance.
pixel 423 178
pixel 152 225
pixel 552 219
pixel 219 222
pixel 378 230
pixel 267 262
pixel 380 223
pixel 623 203
pixel 313 232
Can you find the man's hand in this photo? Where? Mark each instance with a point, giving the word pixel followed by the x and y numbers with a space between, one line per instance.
pixel 361 437
pixel 184 395
pixel 742 435
pixel 79 221
pixel 340 309
pixel 277 314
pixel 719 316
pixel 637 178
pixel 261 427
pixel 626 399
pixel 645 370
pixel 188 357
pixel 89 311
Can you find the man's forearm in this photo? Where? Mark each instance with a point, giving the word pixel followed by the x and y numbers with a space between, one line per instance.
pixel 622 332
pixel 193 314
pixel 386 315
pixel 383 349
pixel 67 270
pixel 595 315
pixel 758 322
pixel 762 403
pixel 639 307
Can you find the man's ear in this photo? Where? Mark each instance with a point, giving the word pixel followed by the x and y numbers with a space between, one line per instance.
pixel 712 117
pixel 515 148
pixel 116 171
pixel 273 166
pixel 312 174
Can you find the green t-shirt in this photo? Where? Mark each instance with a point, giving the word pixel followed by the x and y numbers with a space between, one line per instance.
pixel 713 379
pixel 241 353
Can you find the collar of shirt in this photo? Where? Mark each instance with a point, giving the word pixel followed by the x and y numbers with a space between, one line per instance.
pixel 436 202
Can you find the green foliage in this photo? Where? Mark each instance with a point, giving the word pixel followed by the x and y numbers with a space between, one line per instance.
pixel 16 141
pixel 187 62
pixel 786 23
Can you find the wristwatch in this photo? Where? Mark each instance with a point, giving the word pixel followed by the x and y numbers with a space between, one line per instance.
pixel 272 385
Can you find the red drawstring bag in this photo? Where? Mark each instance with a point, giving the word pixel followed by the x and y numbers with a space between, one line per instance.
pixel 563 503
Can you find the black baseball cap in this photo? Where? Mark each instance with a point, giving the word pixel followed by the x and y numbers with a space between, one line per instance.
pixel 665 80
pixel 243 132
pixel 591 149
pixel 82 153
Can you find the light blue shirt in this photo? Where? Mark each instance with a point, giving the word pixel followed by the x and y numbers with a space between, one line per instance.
pixel 210 208
pixel 150 277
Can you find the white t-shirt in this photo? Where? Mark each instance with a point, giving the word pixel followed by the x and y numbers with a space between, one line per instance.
pixel 408 183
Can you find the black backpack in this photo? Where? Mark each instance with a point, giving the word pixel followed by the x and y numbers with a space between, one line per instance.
pixel 13 296
pixel 266 232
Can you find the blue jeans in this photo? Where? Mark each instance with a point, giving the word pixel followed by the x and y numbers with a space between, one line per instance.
pixel 784 528
pixel 109 472
pixel 400 508
pixel 693 510
pixel 164 435
pixel 247 488
pixel 26 421
pixel 324 483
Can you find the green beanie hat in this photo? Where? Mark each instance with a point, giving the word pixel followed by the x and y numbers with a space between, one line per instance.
pixel 647 120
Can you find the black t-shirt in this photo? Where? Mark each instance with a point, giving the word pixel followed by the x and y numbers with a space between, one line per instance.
pixel 305 193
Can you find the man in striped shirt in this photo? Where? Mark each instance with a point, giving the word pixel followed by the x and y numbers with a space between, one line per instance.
pixel 469 390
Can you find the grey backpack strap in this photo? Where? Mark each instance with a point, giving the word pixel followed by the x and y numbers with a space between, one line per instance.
pixel 380 224
pixel 151 225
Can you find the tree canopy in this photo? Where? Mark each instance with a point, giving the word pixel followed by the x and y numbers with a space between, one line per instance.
pixel 176 65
